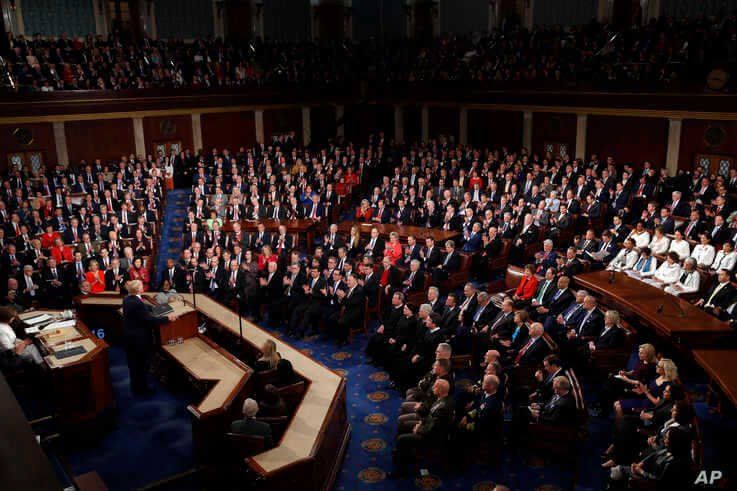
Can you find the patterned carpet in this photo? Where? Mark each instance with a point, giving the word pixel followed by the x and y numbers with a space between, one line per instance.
pixel 373 408
pixel 170 243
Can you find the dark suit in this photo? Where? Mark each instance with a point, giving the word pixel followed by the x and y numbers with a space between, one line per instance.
pixel 450 264
pixel 253 427
pixel 612 338
pixel 138 337
pixel 353 306
pixel 559 411
pixel 433 430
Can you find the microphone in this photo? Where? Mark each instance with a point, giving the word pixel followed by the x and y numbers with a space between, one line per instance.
pixel 612 276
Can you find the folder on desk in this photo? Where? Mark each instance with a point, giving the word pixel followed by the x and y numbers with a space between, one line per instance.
pixel 32 321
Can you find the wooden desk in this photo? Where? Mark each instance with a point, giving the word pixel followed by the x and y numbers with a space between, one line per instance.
pixel 304 227
pixel 670 316
pixel 721 367
pixel 311 450
pixel 385 229
pixel 230 381
pixel 81 383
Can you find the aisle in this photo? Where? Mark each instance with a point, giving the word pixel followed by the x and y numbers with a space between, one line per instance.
pixel 170 243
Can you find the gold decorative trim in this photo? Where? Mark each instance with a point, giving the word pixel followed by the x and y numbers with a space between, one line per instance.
pixel 576 110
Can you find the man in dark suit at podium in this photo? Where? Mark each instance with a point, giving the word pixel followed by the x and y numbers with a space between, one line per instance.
pixel 138 326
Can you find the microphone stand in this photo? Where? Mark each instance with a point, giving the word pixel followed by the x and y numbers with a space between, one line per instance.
pixel 240 324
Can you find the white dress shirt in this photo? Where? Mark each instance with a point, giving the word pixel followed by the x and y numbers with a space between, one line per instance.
pixel 641 239
pixel 704 254
pixel 687 283
pixel 625 259
pixel 680 247
pixel 659 245
pixel 666 274
pixel 724 261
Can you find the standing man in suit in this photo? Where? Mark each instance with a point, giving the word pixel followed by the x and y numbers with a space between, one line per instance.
pixel 138 335
pixel 352 303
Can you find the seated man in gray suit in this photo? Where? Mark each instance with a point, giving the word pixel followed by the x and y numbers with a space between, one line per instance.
pixel 250 426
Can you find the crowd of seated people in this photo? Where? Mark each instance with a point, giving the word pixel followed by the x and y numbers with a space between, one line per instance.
pixel 73 231
pixel 656 54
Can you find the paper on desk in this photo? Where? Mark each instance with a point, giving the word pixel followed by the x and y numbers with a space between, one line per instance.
pixel 62 324
pixel 38 319
pixel 32 330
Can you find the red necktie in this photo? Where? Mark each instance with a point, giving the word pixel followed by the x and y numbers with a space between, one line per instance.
pixel 521 352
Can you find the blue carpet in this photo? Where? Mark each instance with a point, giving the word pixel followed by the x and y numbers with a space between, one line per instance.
pixel 151 439
pixel 373 408
pixel 170 243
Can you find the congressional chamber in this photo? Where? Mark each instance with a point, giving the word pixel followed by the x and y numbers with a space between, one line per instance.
pixel 393 244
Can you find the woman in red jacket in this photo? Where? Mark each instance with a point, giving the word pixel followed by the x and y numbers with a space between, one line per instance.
pixel 60 252
pixel 364 212
pixel 527 287
pixel 96 278
pixel 393 248
pixel 266 257
pixel 139 272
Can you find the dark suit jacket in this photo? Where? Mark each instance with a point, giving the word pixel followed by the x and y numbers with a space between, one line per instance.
pixel 418 282
pixel 139 324
pixel 254 428
pixel 556 305
pixel 436 424
pixel 453 264
pixel 722 299
pixel 434 258
pixel 613 338
pixel 559 411
pixel 353 306
pixel 591 326
pixel 535 353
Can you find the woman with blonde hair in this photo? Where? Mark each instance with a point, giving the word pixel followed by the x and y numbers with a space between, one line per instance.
pixel 393 248
pixel 650 394
pixel 269 356
pixel 625 380
pixel 354 242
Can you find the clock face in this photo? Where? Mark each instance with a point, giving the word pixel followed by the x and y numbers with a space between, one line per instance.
pixel 23 136
pixel 717 79
pixel 714 136
pixel 167 127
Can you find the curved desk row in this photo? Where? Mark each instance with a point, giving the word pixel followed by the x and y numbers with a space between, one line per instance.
pixel 671 316
pixel 310 452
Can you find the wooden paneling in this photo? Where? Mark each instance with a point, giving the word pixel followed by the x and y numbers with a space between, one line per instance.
pixel 495 128
pixel 322 123
pixel 330 21
pixel 43 141
pixel 283 120
pixel 628 139
pixel 230 130
pixel 159 129
pixel 106 139
pixel 444 121
pixel 361 120
pixel 554 128
pixel 711 137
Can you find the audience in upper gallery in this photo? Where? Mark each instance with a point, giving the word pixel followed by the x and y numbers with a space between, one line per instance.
pixel 657 55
